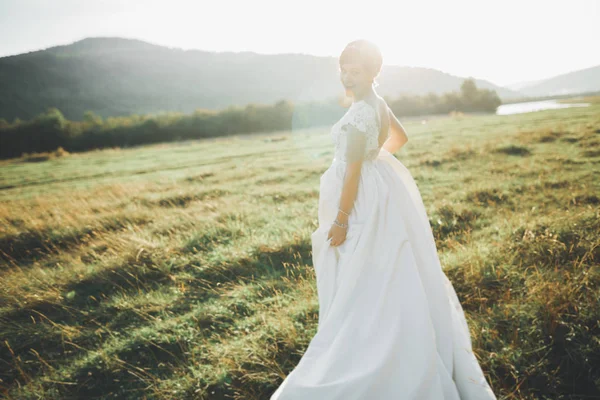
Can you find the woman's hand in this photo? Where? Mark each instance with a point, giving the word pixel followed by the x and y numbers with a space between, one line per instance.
pixel 337 235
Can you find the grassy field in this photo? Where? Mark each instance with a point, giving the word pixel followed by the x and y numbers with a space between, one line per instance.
pixel 184 270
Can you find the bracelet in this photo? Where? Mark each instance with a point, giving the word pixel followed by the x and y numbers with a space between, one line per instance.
pixel 341 225
pixel 343 212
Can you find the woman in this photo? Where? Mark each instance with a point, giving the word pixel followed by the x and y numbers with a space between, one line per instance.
pixel 390 323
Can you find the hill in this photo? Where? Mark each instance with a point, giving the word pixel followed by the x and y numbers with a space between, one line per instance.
pixel 117 76
pixel 584 80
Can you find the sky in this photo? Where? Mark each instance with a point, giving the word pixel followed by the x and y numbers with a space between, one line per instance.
pixel 505 42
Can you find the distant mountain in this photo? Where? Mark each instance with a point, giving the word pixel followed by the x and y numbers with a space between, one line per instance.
pixel 520 85
pixel 117 76
pixel 584 80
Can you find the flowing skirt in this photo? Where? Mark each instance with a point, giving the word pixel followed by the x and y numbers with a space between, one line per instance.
pixel 390 324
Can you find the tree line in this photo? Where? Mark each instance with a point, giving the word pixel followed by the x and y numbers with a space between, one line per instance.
pixel 50 130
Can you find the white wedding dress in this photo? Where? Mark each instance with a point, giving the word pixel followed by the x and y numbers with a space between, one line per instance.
pixel 390 324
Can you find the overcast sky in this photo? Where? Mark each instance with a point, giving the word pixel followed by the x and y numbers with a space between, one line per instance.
pixel 504 41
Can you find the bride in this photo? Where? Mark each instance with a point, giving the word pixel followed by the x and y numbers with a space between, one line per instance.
pixel 390 324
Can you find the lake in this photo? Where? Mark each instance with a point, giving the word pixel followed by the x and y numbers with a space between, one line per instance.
pixel 531 106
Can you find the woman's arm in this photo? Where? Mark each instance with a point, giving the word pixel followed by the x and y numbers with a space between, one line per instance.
pixel 398 135
pixel 355 154
pixel 349 189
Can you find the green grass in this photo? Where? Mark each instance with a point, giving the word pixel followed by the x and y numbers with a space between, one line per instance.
pixel 184 271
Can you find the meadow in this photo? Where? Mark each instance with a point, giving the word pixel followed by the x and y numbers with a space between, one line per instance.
pixel 183 270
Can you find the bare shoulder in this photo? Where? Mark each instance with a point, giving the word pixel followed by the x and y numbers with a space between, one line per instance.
pixel 383 109
pixel 383 104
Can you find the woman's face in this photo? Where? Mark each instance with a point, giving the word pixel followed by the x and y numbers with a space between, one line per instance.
pixel 355 79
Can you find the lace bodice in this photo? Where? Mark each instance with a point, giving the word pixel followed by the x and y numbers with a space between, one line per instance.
pixel 360 143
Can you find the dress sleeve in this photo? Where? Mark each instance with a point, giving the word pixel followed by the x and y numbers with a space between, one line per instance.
pixel 358 131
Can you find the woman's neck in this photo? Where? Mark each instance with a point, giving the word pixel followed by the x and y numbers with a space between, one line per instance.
pixel 369 95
